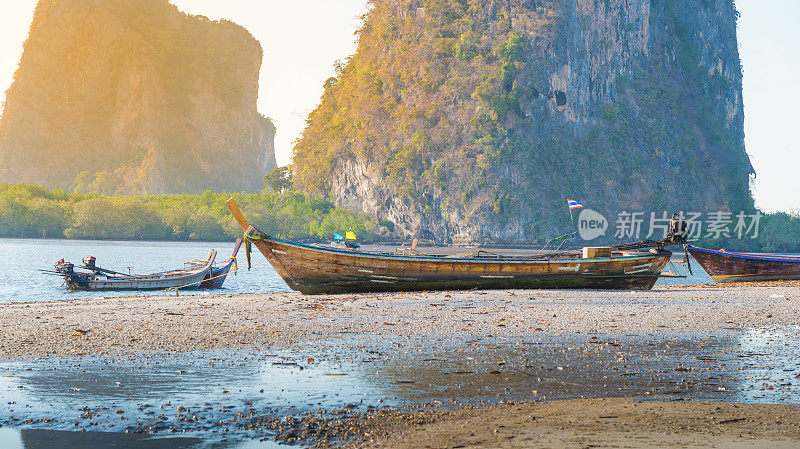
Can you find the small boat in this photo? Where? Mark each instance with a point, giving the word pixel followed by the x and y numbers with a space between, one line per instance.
pixel 92 277
pixel 313 269
pixel 219 271
pixel 725 267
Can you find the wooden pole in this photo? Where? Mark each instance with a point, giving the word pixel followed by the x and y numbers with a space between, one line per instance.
pixel 237 214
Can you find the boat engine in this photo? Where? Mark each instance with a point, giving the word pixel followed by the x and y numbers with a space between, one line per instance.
pixel 89 262
pixel 678 230
pixel 65 268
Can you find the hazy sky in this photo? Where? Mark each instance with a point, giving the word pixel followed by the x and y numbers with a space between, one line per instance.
pixel 303 38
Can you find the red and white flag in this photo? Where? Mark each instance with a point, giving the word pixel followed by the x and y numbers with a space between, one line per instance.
pixel 574 205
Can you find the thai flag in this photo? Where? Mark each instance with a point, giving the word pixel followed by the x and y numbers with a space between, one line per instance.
pixel 574 205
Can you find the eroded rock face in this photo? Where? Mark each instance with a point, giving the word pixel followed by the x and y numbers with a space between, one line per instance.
pixel 475 121
pixel 133 96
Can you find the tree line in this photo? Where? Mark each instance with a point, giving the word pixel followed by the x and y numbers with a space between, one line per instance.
pixel 33 211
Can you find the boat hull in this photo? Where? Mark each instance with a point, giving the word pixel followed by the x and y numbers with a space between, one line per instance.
pixel 216 278
pixel 725 267
pixel 183 282
pixel 176 279
pixel 314 270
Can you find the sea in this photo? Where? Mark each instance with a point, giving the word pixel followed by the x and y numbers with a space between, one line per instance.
pixel 23 259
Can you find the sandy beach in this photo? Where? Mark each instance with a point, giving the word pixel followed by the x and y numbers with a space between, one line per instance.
pixel 460 326
pixel 598 423
pixel 200 322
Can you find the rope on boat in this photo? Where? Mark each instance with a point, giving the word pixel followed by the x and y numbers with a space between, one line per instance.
pixel 250 235
pixel 175 289
pixel 235 272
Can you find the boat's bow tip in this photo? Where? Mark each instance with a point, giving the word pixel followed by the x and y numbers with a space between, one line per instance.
pixel 212 256
pixel 237 214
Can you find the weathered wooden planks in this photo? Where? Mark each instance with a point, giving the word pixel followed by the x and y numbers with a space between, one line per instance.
pixel 322 270
pixel 317 270
pixel 725 267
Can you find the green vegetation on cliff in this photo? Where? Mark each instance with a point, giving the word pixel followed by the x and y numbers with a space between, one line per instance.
pixel 34 211
pixel 477 119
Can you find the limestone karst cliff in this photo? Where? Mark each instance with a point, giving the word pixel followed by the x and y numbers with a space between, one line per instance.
pixel 134 96
pixel 475 120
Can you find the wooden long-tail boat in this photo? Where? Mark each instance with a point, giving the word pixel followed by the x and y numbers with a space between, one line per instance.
pixel 92 277
pixel 219 271
pixel 315 269
pixel 725 267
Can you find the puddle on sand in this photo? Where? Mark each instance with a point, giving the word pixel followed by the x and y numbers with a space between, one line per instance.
pixel 209 395
pixel 491 371
pixel 759 366
pixel 223 398
pixel 49 439
pixel 770 366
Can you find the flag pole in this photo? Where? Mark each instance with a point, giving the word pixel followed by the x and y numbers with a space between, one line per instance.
pixel 572 204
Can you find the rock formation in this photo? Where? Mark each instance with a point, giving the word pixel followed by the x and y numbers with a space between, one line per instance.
pixel 134 96
pixel 475 120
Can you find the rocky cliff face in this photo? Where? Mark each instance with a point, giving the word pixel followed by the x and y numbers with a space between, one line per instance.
pixel 475 120
pixel 133 96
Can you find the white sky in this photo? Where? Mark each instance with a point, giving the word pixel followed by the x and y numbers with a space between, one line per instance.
pixel 769 44
pixel 303 38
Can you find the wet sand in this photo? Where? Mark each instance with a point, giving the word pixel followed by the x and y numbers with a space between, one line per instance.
pixel 595 423
pixel 446 324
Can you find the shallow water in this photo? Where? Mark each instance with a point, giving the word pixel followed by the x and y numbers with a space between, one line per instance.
pixel 196 394
pixel 770 366
pixel 23 259
pixel 217 396
pixel 730 368
pixel 131 393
